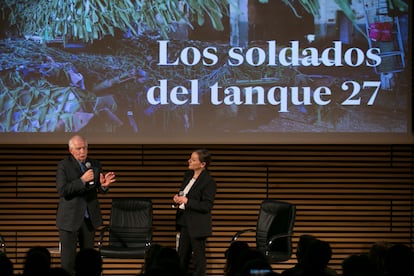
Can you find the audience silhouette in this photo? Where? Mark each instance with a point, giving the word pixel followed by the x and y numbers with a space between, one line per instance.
pixel 376 255
pixel 399 261
pixel 313 256
pixel 358 265
pixel 303 244
pixel 88 262
pixel 233 257
pixel 150 257
pixel 37 262
pixel 161 260
pixel 317 258
pixel 6 265
pixel 242 260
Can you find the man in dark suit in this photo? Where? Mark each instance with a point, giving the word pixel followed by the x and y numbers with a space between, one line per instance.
pixel 194 220
pixel 78 180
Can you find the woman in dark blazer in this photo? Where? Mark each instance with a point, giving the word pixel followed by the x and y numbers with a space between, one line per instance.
pixel 195 202
pixel 78 180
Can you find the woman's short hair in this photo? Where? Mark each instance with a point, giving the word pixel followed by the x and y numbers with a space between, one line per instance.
pixel 204 156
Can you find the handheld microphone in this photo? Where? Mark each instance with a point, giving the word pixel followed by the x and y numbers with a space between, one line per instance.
pixel 88 165
pixel 180 193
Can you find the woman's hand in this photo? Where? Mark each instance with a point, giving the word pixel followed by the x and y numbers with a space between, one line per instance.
pixel 180 199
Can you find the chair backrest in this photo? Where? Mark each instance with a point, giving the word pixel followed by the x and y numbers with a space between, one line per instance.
pixel 275 223
pixel 130 222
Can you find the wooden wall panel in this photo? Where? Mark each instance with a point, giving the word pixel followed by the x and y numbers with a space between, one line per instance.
pixel 349 195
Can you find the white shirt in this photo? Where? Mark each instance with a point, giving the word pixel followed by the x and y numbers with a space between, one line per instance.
pixel 186 190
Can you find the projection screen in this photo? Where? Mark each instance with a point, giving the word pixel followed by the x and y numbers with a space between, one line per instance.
pixel 214 71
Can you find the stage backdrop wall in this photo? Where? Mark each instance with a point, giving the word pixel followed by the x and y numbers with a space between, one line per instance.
pixel 349 195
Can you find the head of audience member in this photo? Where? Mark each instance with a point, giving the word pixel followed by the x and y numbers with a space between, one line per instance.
pixel 233 256
pixel 88 262
pixel 376 255
pixel 303 245
pixel 6 265
pixel 37 262
pixel 357 265
pixel 149 257
pixel 317 257
pixel 162 260
pixel 399 261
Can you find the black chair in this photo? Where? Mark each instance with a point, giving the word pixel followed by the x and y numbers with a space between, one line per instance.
pixel 274 230
pixel 129 233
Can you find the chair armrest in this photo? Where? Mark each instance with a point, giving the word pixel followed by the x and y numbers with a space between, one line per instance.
pixel 276 237
pixel 149 235
pixel 102 234
pixel 3 244
pixel 239 233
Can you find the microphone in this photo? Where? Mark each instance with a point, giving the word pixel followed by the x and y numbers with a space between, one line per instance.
pixel 88 165
pixel 180 193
